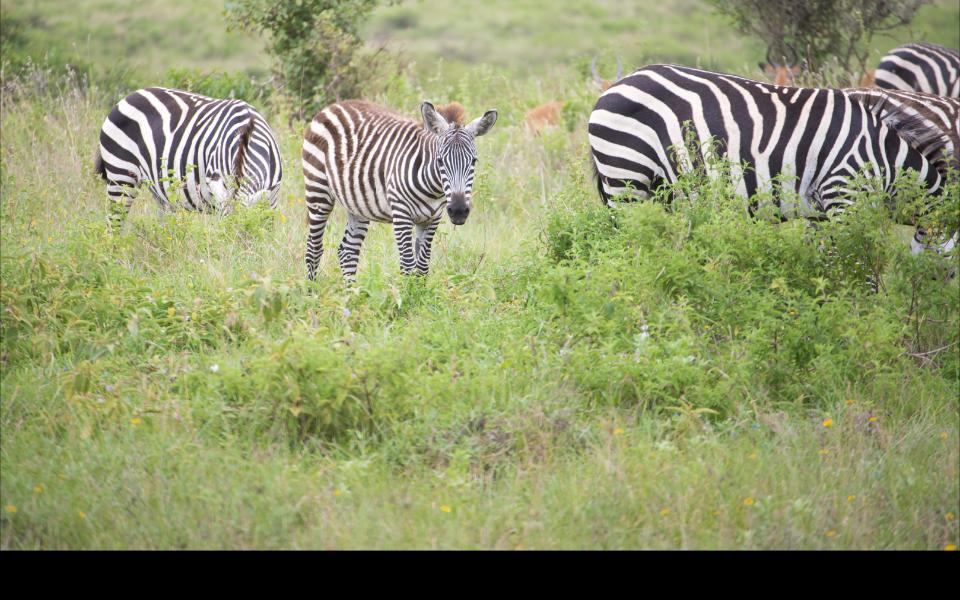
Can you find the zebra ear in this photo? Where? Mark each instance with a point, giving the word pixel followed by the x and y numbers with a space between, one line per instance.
pixel 432 120
pixel 482 125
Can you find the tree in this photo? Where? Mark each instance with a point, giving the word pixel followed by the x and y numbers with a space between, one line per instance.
pixel 820 29
pixel 314 44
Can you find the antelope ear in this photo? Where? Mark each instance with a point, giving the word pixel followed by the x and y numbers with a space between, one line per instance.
pixel 482 125
pixel 767 68
pixel 432 120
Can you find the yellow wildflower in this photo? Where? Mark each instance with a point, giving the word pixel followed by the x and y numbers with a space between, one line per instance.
pixel 748 501
pixel 823 452
pixel 136 421
pixel 950 547
pixel 81 515
pixel 943 435
pixel 337 492
pixel 618 431
pixel 831 533
pixel 827 422
pixel 171 311
pixel 10 508
pixel 752 456
pixel 664 512
pixel 851 498
pixel 38 489
pixel 950 516
pixel 849 402
pixel 872 419
pixel 445 508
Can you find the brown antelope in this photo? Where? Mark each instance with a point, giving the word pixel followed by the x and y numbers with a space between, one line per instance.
pixel 602 83
pixel 545 115
pixel 782 74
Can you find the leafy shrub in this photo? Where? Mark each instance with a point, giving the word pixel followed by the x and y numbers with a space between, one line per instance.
pixel 313 43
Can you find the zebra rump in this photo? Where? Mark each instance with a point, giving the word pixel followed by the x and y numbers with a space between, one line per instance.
pixel 192 151
pixel 920 67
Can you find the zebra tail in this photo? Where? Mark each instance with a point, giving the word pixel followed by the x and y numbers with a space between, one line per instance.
pixel 246 132
pixel 596 175
pixel 98 167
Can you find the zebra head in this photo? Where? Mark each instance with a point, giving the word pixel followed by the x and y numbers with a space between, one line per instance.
pixel 783 73
pixel 456 156
pixel 246 165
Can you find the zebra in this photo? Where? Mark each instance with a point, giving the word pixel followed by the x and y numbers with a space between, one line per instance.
pixel 920 67
pixel 807 141
pixel 385 167
pixel 187 147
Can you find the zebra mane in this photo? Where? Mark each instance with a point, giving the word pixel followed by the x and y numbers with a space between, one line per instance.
pixel 905 117
pixel 245 133
pixel 454 113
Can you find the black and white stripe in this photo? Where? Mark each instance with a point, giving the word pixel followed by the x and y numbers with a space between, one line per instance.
pixel 192 151
pixel 920 67
pixel 384 167
pixel 935 118
pixel 805 145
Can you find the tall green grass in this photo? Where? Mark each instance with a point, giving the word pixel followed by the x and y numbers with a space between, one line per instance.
pixel 568 376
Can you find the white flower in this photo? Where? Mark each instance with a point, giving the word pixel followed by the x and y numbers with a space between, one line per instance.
pixel 214 368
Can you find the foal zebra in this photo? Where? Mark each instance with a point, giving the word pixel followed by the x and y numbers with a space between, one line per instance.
pixel 384 167
pixel 920 67
pixel 812 140
pixel 203 150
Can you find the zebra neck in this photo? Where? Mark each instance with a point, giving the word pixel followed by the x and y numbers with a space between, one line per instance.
pixel 431 172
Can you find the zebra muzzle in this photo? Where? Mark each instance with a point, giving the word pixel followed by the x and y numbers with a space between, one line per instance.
pixel 458 208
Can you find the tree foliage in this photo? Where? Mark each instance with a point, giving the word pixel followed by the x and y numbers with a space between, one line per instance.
pixel 820 29
pixel 314 45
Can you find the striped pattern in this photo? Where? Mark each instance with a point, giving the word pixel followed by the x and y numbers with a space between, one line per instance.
pixel 383 167
pixel 796 142
pixel 191 150
pixel 939 116
pixel 920 67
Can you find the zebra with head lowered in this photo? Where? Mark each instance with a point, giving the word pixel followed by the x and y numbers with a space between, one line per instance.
pixel 384 167
pixel 202 151
pixel 804 141
pixel 920 67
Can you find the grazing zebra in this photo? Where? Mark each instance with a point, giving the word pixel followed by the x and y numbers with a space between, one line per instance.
pixel 384 167
pixel 920 67
pixel 201 150
pixel 779 139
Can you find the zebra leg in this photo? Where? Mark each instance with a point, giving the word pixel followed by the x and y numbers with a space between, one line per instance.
pixel 318 212
pixel 403 233
pixel 425 233
pixel 349 252
pixel 120 196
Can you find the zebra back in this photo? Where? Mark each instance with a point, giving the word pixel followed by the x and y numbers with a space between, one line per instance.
pixel 920 67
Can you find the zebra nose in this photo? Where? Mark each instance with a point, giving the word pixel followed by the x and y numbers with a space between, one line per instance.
pixel 458 209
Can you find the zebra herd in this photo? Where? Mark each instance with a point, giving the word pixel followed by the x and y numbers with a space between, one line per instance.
pixel 797 143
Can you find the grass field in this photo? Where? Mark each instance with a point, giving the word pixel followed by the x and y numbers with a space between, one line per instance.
pixel 566 377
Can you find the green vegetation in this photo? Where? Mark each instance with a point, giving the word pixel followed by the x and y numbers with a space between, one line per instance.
pixel 568 376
